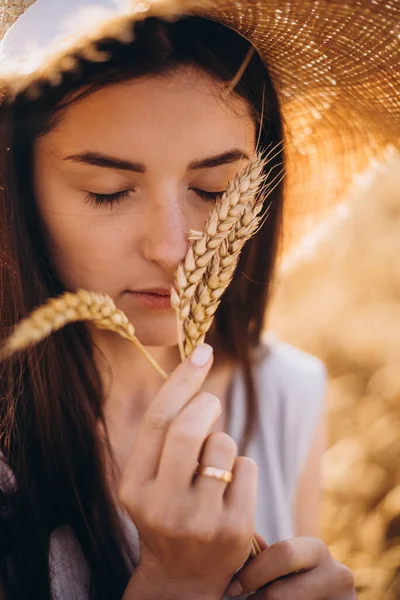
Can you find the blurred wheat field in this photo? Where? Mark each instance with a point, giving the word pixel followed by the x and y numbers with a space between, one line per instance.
pixel 342 303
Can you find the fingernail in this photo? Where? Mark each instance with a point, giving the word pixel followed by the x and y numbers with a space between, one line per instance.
pixel 201 355
pixel 235 589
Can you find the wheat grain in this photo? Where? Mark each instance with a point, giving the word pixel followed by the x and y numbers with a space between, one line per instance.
pixel 98 308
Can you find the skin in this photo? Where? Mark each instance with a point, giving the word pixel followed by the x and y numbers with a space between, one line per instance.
pixel 166 123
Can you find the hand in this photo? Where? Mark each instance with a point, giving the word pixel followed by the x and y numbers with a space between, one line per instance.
pixel 195 532
pixel 298 569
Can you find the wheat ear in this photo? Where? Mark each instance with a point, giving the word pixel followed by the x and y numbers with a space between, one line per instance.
pixel 238 194
pixel 200 307
pixel 100 309
pixel 217 277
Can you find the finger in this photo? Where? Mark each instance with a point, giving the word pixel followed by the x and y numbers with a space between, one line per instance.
pixel 178 390
pixel 183 442
pixel 318 584
pixel 261 542
pixel 240 499
pixel 282 559
pixel 219 451
pixel 240 495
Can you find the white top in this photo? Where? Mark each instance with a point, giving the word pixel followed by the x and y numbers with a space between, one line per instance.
pixel 290 386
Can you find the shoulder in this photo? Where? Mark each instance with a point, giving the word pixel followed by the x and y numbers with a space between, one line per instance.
pixel 291 388
pixel 288 365
pixel 298 378
pixel 68 570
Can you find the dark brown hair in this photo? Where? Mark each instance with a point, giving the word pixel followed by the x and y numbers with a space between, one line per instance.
pixel 51 396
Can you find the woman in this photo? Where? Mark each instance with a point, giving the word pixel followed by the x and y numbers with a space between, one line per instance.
pixel 107 163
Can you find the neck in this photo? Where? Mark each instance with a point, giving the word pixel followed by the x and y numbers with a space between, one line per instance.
pixel 130 381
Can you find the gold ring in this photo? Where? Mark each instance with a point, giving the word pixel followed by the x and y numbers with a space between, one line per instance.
pixel 215 473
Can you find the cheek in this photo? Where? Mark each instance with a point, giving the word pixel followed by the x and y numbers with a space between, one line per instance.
pixel 87 248
pixel 86 251
pixel 196 216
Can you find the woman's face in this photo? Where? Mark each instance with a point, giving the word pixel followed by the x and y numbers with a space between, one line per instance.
pixel 125 175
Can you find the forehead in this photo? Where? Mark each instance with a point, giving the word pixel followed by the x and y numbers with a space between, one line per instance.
pixel 185 107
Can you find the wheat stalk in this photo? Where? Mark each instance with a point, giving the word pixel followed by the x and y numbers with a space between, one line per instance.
pixel 98 308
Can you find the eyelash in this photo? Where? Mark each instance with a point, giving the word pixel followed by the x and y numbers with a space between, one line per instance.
pixel 209 197
pixel 111 200
pixel 100 200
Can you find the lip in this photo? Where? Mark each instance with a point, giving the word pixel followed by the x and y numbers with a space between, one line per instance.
pixel 158 291
pixel 156 298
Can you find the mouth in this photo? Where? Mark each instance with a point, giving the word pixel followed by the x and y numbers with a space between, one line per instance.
pixel 155 298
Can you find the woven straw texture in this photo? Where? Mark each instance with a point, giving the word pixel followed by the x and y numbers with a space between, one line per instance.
pixel 335 64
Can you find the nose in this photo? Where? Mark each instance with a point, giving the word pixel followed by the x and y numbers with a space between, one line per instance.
pixel 165 240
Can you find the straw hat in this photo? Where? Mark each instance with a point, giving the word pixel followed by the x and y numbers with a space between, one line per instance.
pixel 334 63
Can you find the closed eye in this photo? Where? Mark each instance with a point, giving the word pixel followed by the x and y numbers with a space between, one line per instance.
pixel 208 196
pixel 110 200
pixel 99 200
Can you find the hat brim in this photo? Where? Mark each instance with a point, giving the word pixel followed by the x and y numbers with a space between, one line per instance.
pixel 334 65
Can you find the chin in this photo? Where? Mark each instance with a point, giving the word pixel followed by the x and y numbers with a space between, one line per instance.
pixel 157 330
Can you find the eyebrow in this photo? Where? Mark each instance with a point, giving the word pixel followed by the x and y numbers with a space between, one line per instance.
pixel 100 159
pixel 225 158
